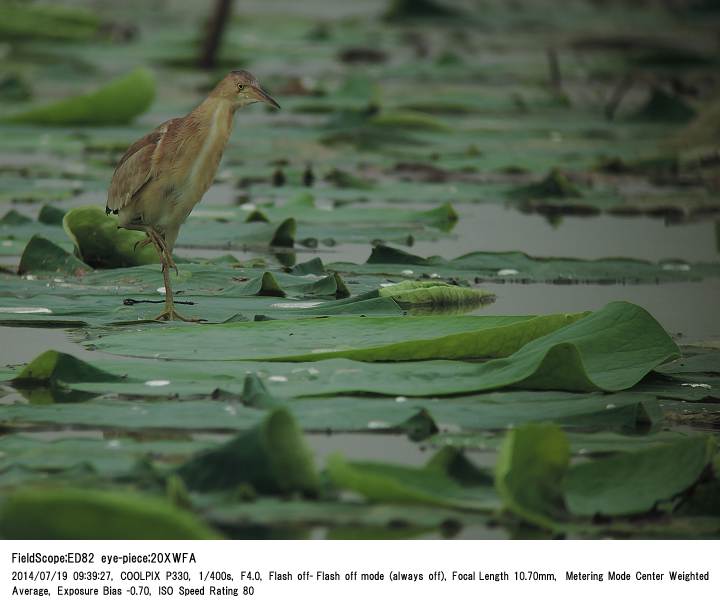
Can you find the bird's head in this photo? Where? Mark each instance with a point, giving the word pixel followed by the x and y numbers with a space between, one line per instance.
pixel 242 89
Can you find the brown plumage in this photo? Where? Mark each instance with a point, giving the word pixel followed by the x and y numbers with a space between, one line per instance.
pixel 164 174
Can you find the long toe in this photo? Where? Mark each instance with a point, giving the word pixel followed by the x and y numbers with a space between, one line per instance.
pixel 142 243
pixel 171 314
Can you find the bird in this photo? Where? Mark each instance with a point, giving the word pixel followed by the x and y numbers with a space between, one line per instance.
pixel 164 175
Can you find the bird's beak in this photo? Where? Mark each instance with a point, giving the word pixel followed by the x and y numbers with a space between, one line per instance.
pixel 263 96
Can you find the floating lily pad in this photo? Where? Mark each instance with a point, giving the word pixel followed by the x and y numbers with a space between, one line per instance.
pixel 89 514
pixel 517 266
pixel 116 103
pixel 635 483
pixel 19 21
pixel 379 482
pixel 371 339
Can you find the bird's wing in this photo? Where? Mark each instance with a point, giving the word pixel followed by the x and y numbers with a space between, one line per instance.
pixel 135 169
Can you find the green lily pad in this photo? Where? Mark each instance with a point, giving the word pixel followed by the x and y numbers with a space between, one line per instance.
pixel 518 266
pixel 634 483
pixel 14 218
pixel 89 514
pixel 609 350
pixel 23 22
pixel 529 472
pixel 51 215
pixel 116 103
pixel 102 244
pixel 53 367
pixel 272 458
pixel 43 256
pixel 371 339
pixel 380 482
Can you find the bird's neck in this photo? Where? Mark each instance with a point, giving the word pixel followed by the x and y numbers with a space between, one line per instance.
pixel 210 125
pixel 215 114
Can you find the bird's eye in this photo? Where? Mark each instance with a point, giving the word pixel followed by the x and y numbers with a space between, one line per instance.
pixel 241 87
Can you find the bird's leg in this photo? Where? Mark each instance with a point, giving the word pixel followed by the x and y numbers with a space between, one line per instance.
pixel 168 313
pixel 165 256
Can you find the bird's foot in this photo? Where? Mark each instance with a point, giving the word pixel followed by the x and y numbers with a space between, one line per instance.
pixel 141 244
pixel 170 314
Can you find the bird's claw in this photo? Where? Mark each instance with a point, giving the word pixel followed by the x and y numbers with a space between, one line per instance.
pixel 168 263
pixel 142 243
pixel 170 314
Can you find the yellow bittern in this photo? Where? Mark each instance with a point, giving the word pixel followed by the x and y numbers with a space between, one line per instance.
pixel 163 175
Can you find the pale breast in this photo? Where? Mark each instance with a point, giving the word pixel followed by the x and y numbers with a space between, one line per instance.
pixel 206 160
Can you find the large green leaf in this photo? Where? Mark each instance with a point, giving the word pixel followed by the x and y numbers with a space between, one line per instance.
pixel 271 457
pixel 89 514
pixel 273 512
pixel 634 483
pixel 371 339
pixel 610 350
pixel 95 459
pixel 116 103
pixel 229 411
pixel 20 21
pixel 380 482
pixel 529 472
pixel 359 217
